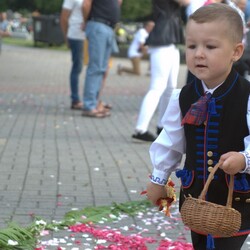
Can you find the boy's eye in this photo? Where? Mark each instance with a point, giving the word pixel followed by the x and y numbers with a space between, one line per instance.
pixel 191 46
pixel 211 46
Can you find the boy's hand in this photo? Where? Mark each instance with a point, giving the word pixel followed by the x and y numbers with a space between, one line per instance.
pixel 232 162
pixel 155 192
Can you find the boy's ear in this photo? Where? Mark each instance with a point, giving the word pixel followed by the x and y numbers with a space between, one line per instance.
pixel 238 51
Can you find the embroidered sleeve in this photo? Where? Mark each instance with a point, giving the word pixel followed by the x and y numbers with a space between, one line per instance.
pixel 247 159
pixel 159 177
pixel 246 153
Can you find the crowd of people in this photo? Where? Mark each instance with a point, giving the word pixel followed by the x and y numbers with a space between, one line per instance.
pixel 157 39
pixel 207 120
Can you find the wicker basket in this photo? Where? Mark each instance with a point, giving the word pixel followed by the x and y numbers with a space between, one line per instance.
pixel 210 218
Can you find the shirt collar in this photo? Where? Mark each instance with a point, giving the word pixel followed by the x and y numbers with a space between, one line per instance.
pixel 206 89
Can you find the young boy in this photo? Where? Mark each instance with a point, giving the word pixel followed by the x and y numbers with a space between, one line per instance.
pixel 218 131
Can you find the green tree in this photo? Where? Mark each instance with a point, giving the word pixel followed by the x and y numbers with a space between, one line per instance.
pixel 133 10
pixel 24 4
pixel 5 4
pixel 44 6
pixel 48 6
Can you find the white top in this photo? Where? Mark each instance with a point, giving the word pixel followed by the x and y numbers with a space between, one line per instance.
pixel 139 38
pixel 167 150
pixel 193 6
pixel 75 20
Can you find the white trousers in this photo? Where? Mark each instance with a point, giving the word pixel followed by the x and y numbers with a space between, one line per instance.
pixel 165 64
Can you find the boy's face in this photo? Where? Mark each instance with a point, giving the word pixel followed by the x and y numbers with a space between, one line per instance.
pixel 210 51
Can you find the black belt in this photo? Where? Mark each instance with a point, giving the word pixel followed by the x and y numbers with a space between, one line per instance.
pixel 101 20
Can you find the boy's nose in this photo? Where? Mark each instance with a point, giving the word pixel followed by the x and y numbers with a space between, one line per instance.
pixel 199 52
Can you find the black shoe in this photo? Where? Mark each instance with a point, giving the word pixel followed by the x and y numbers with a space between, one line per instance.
pixel 147 137
pixel 158 130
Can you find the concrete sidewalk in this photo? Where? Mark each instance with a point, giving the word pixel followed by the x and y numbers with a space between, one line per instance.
pixel 52 159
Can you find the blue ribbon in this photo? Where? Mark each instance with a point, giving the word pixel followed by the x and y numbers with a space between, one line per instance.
pixel 210 242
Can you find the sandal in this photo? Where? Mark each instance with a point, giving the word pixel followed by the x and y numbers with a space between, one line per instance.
pixel 77 105
pixel 95 113
pixel 102 106
pixel 107 106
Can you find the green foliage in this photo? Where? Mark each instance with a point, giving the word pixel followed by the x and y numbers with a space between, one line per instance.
pixel 136 10
pixel 24 238
pixel 48 6
pixel 3 5
pixel 27 238
pixel 132 10
pixel 43 6
pixel 97 214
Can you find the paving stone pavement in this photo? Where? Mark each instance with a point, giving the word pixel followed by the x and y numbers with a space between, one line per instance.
pixel 51 158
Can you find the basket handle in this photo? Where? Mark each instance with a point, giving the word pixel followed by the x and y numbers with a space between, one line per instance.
pixel 210 178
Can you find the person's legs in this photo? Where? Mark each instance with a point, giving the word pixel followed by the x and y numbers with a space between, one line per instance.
pixel 101 106
pixel 231 243
pixel 136 62
pixel 76 47
pixel 172 61
pixel 100 46
pixel 136 70
pixel 159 74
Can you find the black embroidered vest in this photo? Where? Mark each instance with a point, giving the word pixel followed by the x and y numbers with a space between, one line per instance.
pixel 224 131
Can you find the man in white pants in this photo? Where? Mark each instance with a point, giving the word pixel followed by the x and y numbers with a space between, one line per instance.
pixel 165 63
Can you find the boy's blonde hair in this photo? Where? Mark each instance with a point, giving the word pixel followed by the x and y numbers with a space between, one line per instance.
pixel 223 13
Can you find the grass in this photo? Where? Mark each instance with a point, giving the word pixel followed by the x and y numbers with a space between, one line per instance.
pixel 31 43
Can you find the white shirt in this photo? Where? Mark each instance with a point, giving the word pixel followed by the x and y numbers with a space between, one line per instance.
pixel 139 38
pixel 167 150
pixel 75 20
pixel 193 6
